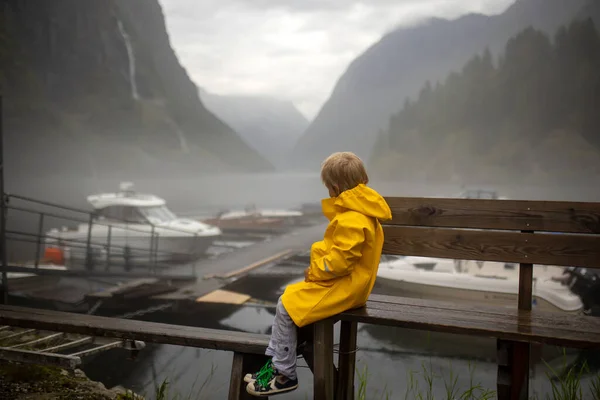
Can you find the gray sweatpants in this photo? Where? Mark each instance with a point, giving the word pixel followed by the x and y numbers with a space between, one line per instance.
pixel 283 342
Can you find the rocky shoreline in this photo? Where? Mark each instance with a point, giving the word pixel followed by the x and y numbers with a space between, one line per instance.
pixel 35 382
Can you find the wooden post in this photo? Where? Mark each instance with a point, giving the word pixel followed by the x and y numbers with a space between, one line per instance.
pixel 323 360
pixel 89 258
pixel 346 361
pixel 108 239
pixel 38 247
pixel 306 340
pixel 514 357
pixel 241 365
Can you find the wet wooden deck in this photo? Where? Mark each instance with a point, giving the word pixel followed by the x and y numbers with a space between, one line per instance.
pixel 214 273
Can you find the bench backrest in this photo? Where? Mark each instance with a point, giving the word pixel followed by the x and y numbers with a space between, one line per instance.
pixel 495 230
pixel 519 231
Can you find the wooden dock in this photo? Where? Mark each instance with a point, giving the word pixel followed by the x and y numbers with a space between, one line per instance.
pixel 296 241
pixel 213 274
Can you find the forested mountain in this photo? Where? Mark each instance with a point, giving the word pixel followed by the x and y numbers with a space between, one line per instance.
pixel 534 113
pixel 376 83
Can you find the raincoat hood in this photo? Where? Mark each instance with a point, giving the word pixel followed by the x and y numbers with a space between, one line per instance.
pixel 361 199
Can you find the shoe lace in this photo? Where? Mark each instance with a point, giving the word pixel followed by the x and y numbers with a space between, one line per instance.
pixel 264 376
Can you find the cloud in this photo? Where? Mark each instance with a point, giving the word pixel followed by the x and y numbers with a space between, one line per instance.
pixel 293 50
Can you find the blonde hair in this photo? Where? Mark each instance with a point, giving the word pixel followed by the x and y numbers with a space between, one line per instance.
pixel 343 171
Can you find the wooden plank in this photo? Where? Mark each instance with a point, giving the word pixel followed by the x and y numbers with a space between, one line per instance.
pixel 84 273
pixel 36 357
pixel 17 334
pixel 515 325
pixel 463 244
pixel 224 297
pixel 551 216
pixel 98 349
pixel 346 361
pixel 377 299
pixel 70 344
pixel 40 340
pixel 257 264
pixel 323 360
pixel 537 319
pixel 150 332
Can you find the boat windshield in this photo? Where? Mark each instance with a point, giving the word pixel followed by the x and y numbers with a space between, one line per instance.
pixel 158 214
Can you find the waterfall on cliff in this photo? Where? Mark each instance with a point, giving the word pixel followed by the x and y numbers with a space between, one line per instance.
pixel 134 91
pixel 181 136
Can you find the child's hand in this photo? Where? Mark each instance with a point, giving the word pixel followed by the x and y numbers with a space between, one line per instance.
pixel 306 278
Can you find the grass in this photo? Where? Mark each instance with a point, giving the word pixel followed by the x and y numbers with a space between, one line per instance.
pixel 163 391
pixel 415 390
pixel 426 384
pixel 567 385
pixel 420 385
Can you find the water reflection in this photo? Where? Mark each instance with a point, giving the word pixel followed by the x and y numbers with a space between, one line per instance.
pixel 250 319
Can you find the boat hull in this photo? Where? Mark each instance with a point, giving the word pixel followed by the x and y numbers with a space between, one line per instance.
pixel 406 288
pixel 135 249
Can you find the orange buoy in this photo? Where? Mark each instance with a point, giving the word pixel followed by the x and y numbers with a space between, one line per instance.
pixel 54 255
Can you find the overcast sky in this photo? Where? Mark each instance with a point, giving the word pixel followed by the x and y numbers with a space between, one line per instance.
pixel 290 49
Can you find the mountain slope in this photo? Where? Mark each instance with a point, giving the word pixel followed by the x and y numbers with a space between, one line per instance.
pixel 94 87
pixel 268 125
pixel 530 118
pixel 376 84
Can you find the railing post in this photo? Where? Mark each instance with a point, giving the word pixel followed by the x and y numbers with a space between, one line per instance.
pixel 108 240
pixel 39 240
pixel 150 261
pixel 3 215
pixel 514 357
pixel 156 251
pixel 88 256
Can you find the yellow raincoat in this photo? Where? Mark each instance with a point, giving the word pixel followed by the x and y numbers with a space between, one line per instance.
pixel 343 266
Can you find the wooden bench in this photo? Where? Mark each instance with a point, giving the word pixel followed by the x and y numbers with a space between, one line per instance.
pixel 482 230
pixel 248 349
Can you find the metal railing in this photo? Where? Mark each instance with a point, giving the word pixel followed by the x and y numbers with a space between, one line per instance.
pixel 91 245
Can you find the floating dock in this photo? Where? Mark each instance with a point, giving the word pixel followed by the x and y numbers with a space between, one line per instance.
pixel 213 274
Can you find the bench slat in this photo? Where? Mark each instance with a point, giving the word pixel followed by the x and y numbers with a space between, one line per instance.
pixel 551 216
pixel 151 332
pixel 516 325
pixel 465 244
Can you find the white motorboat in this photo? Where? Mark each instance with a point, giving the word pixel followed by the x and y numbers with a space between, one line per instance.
pixel 287 216
pixel 134 226
pixel 252 219
pixel 490 283
pixel 481 194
